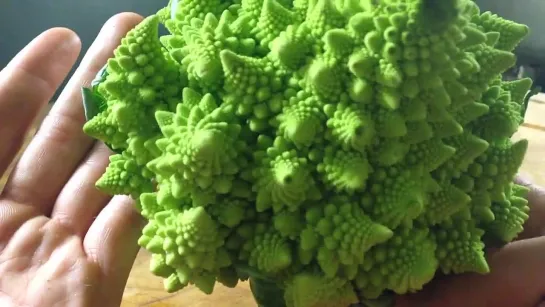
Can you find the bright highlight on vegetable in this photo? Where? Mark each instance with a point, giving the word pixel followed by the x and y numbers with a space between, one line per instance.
pixel 338 148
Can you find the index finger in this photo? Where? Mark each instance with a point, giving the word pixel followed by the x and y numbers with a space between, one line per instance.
pixel 29 81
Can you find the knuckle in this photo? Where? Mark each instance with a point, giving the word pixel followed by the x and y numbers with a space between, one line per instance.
pixel 21 192
pixel 61 128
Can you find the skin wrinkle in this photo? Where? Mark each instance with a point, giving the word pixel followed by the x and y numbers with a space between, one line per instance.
pixel 59 131
pixel 101 242
pixel 71 207
pixel 99 259
pixel 39 83
pixel 7 214
pixel 46 84
pixel 92 254
pixel 7 133
pixel 96 158
pixel 52 235
pixel 59 266
pixel 65 219
pixel 27 84
pixel 18 190
pixel 98 241
pixel 19 259
pixel 25 238
pixel 11 218
pixel 60 128
pixel 63 48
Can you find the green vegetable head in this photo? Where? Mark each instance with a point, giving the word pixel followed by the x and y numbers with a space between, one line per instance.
pixel 330 147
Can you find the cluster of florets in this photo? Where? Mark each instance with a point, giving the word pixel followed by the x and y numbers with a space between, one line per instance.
pixel 338 149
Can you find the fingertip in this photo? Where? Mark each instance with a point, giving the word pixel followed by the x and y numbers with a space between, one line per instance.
pixel 127 205
pixel 69 38
pixel 107 40
pixel 122 22
pixel 53 39
pixel 62 34
pixel 127 16
pixel 113 237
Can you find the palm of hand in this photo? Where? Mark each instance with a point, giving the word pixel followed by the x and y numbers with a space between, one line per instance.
pixel 62 242
pixel 44 264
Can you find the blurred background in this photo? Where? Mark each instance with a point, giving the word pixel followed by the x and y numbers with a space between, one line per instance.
pixel 22 20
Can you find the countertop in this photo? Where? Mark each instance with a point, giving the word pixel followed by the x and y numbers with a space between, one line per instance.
pixel 145 289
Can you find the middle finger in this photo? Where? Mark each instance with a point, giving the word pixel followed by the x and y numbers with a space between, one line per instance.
pixel 60 144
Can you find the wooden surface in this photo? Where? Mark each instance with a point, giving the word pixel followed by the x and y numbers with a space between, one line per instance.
pixel 144 289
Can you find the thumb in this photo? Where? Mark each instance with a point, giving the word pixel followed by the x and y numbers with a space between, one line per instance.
pixel 516 278
pixel 535 225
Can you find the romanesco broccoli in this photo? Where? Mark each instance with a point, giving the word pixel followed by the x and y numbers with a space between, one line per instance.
pixel 337 148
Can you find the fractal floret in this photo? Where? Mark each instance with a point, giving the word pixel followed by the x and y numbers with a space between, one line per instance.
pixel 341 149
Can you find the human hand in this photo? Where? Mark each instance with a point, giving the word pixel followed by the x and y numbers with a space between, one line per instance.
pixel 62 242
pixel 517 271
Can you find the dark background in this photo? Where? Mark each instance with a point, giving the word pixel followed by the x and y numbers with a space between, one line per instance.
pixel 22 20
